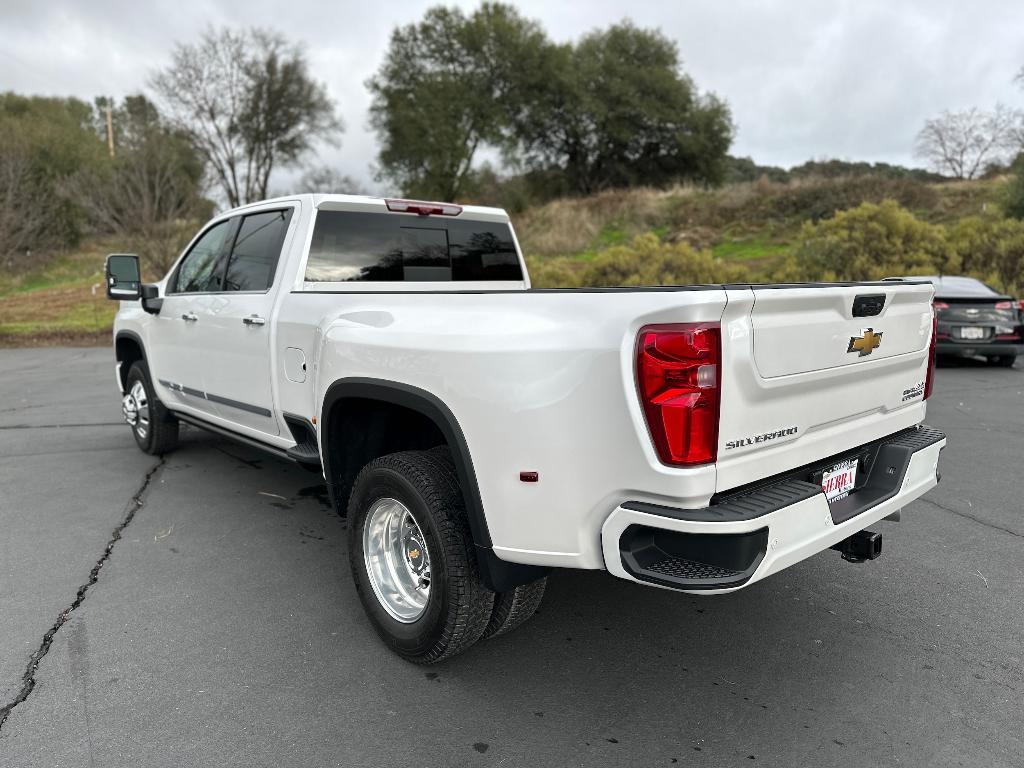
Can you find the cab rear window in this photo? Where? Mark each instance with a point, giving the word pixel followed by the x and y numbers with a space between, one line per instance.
pixel 385 247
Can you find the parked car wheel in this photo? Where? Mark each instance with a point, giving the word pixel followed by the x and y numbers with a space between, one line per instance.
pixel 1005 361
pixel 155 429
pixel 412 557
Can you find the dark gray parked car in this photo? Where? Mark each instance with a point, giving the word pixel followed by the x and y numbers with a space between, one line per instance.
pixel 975 320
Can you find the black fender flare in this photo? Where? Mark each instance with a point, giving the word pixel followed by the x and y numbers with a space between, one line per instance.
pixel 132 336
pixel 499 575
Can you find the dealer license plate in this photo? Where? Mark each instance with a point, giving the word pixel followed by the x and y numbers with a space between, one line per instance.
pixel 972 332
pixel 839 481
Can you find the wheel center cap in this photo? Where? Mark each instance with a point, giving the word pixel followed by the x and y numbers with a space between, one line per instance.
pixel 414 554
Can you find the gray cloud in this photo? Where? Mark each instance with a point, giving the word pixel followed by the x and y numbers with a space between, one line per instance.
pixel 852 80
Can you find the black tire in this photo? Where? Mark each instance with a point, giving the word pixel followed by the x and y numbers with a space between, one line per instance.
pixel 458 607
pixel 160 434
pixel 1004 361
pixel 513 608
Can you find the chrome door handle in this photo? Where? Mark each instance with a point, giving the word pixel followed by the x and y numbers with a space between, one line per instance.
pixel 254 320
pixel 190 317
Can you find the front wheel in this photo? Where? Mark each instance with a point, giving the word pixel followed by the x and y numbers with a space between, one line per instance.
pixel 412 557
pixel 154 428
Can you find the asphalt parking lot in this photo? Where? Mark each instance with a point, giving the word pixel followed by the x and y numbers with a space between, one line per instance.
pixel 222 627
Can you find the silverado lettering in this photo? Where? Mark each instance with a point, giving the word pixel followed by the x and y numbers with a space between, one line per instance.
pixel 761 438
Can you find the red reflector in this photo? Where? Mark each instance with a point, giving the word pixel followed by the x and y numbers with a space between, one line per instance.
pixel 423 208
pixel 529 477
pixel 1007 337
pixel 930 378
pixel 678 371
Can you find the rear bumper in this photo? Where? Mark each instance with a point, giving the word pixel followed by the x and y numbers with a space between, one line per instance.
pixel 982 348
pixel 748 536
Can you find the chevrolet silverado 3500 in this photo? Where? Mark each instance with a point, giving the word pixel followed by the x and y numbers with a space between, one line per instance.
pixel 478 433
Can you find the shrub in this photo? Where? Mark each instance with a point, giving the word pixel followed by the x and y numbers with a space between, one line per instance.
pixel 990 248
pixel 648 261
pixel 870 242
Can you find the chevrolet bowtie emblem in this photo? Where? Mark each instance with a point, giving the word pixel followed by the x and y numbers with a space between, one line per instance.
pixel 865 344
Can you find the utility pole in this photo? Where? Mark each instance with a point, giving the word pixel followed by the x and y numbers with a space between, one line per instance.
pixel 110 129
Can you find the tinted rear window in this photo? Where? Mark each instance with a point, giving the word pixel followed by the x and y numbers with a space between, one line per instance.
pixel 388 247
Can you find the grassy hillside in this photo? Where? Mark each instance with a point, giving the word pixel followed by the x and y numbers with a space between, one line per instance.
pixel 51 300
pixel 752 226
pixel 744 231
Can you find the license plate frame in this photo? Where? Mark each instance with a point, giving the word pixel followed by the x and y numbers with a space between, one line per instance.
pixel 840 480
pixel 973 332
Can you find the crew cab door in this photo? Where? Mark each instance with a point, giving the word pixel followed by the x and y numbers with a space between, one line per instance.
pixel 175 356
pixel 237 350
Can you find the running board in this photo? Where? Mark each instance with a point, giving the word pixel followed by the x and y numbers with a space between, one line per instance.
pixel 195 421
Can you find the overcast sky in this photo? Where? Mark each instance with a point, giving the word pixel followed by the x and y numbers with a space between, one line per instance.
pixel 851 80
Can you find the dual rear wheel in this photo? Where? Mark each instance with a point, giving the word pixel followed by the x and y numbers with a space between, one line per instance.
pixel 414 564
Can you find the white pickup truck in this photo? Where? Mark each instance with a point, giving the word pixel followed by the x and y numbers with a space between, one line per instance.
pixel 478 433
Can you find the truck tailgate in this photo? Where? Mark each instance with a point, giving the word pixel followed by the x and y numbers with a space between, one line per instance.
pixel 809 372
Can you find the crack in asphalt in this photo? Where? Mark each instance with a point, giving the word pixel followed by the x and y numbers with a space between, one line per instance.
pixel 28 680
pixel 978 520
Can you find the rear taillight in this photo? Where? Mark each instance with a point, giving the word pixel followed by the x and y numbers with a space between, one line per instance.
pixel 423 208
pixel 940 306
pixel 1005 305
pixel 930 378
pixel 678 372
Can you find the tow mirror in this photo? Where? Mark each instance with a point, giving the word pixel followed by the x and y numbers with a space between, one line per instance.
pixel 124 280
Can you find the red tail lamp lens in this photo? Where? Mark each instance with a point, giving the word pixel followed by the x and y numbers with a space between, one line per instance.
pixel 678 370
pixel 940 306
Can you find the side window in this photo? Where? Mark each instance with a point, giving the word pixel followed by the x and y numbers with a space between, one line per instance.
pixel 199 270
pixel 256 250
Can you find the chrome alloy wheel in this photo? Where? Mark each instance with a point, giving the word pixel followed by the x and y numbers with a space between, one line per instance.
pixel 135 407
pixel 397 560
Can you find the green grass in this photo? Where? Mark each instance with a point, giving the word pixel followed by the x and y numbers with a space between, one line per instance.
pixel 52 299
pixel 750 248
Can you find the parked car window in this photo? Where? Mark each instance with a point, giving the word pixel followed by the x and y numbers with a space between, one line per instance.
pixel 256 250
pixel 201 271
pixel 388 247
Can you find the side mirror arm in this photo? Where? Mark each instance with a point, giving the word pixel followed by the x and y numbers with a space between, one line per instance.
pixel 151 301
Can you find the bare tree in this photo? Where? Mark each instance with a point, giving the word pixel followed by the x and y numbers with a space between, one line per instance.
pixel 23 208
pixel 328 180
pixel 962 143
pixel 150 191
pixel 249 104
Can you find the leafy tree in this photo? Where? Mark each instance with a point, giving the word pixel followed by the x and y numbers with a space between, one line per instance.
pixel 249 104
pixel 615 110
pixel 150 191
pixel 962 143
pixel 870 242
pixel 449 86
pixel 741 169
